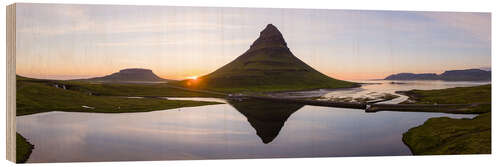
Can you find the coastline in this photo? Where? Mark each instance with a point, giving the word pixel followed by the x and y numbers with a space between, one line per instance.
pixel 447 136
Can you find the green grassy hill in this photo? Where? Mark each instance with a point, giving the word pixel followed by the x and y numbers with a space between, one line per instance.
pixel 267 66
pixel 37 95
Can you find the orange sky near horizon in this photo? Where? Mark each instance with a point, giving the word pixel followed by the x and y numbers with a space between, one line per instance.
pixel 343 75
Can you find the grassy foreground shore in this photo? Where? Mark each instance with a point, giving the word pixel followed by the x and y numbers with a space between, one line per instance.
pixel 23 149
pixel 35 96
pixel 478 95
pixel 442 136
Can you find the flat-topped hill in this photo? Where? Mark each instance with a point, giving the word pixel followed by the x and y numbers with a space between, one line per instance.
pixel 131 75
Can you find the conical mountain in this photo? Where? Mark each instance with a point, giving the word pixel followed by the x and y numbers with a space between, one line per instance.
pixel 268 65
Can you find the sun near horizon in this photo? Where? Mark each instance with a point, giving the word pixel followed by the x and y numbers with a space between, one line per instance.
pixel 192 77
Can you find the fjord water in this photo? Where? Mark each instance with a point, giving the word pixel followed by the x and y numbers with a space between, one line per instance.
pixel 236 129
pixel 373 88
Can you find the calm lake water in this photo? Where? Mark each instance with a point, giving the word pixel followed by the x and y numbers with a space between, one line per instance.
pixel 236 129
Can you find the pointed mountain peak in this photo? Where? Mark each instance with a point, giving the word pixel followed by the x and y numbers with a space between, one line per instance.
pixel 269 37
pixel 269 31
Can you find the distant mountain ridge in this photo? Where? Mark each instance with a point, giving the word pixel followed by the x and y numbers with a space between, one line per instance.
pixel 131 75
pixel 268 65
pixel 451 75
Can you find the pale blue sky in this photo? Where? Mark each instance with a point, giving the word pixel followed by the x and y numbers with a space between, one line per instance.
pixel 75 41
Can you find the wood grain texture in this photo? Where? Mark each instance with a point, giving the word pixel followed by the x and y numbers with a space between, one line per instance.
pixel 11 82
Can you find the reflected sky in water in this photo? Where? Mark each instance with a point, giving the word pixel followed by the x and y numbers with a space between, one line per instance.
pixel 218 131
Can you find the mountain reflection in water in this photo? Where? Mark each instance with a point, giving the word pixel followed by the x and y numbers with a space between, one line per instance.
pixel 267 118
